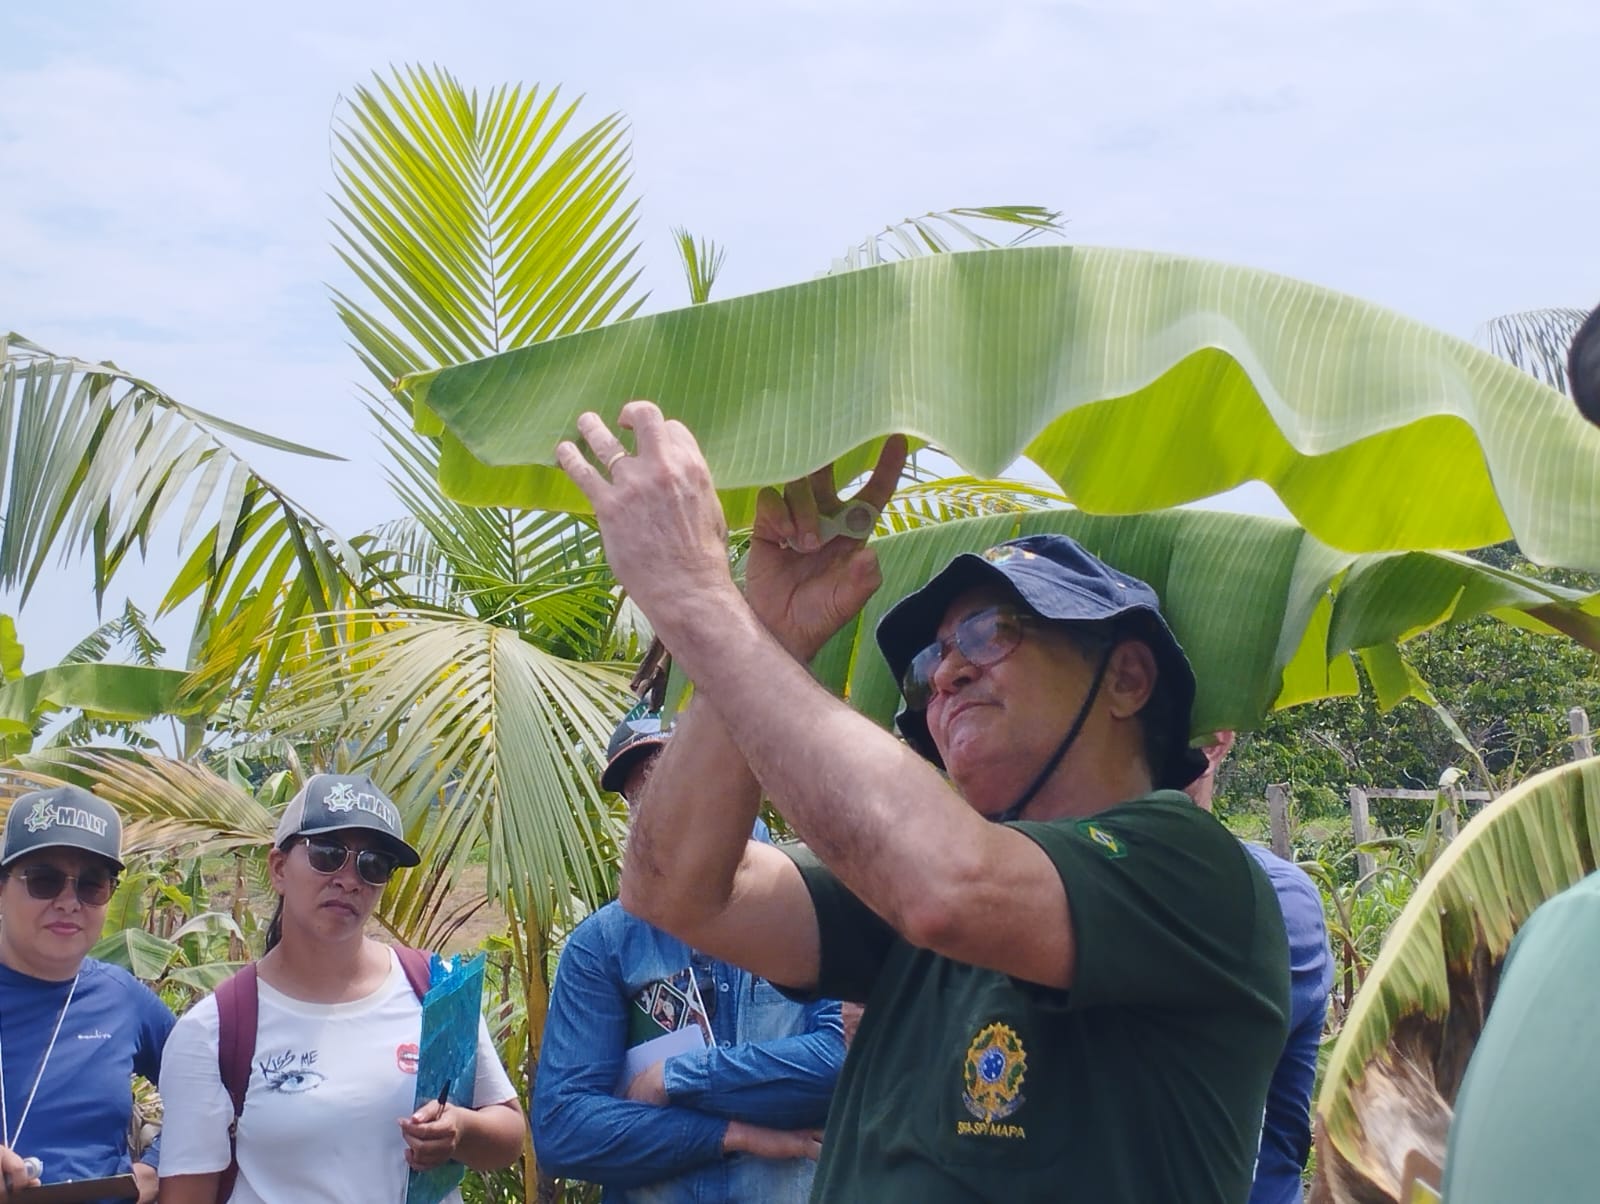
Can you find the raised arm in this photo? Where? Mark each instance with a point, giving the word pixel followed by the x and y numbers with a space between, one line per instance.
pixel 691 868
pixel 881 818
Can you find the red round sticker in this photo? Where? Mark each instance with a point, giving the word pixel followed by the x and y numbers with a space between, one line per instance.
pixel 405 1057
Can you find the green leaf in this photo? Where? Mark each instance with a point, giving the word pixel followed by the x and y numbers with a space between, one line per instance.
pixel 143 954
pixel 209 921
pixel 204 979
pixel 1267 614
pixel 476 224
pixel 117 692
pixel 1135 380
pixel 126 906
pixel 100 458
pixel 10 649
pixel 488 743
pixel 1394 1071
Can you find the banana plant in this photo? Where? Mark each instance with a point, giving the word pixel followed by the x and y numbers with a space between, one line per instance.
pixel 1269 615
pixel 1393 1074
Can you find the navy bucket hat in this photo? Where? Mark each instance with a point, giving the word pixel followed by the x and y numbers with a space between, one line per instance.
pixel 1056 579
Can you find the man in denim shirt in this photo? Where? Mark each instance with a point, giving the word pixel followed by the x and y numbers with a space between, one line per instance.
pixel 736 1119
pixel 1286 1126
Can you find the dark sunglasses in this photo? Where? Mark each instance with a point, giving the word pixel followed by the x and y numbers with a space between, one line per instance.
pixel 985 637
pixel 328 857
pixel 47 882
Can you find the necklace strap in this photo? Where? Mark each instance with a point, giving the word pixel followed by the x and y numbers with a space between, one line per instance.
pixel 7 1137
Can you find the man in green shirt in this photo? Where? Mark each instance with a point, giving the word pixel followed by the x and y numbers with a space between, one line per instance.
pixel 1076 983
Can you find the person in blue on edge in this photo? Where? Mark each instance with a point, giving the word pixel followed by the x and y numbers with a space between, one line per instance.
pixel 1286 1127
pixel 735 1119
pixel 73 1030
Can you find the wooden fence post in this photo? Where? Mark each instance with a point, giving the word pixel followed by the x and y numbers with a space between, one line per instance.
pixel 1582 741
pixel 1278 817
pixel 1361 832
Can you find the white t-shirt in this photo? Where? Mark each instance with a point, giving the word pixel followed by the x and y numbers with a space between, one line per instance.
pixel 328 1086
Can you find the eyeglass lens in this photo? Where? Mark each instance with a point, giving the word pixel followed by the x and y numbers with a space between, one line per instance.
pixel 329 856
pixel 47 882
pixel 982 639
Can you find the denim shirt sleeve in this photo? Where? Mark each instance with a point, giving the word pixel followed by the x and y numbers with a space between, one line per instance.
pixel 581 1130
pixel 784 1083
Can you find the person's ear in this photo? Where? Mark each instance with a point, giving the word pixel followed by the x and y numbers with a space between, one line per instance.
pixel 1130 678
pixel 277 861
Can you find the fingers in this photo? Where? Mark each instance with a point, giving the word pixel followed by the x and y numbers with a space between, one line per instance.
pixel 607 448
pixel 645 420
pixel 802 505
pixel 823 489
pixel 886 474
pixel 583 474
pixel 773 523
pixel 429 1111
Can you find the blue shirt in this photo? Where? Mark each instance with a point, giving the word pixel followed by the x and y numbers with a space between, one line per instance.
pixel 115 1027
pixel 773 1063
pixel 1286 1128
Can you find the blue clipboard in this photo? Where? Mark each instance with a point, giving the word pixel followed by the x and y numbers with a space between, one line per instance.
pixel 447 1053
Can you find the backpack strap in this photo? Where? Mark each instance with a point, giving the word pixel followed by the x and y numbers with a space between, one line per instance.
pixel 418 967
pixel 238 1003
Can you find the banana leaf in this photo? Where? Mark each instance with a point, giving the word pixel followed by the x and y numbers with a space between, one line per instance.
pixel 1392 1077
pixel 1269 615
pixel 1135 380
pixel 119 692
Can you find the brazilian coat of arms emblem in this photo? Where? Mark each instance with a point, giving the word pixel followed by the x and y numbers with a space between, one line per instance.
pixel 992 1076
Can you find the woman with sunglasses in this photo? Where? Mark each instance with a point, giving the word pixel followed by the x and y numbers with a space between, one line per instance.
pixel 73 1030
pixel 329 1108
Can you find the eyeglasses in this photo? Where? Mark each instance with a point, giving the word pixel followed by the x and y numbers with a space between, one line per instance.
pixel 985 637
pixel 328 857
pixel 47 882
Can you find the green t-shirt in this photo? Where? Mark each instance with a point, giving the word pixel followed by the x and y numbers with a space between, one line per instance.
pixel 1143 1083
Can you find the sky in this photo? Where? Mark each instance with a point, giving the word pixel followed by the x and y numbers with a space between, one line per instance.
pixel 165 200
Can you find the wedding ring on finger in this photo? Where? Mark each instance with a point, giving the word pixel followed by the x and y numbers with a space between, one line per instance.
pixel 611 462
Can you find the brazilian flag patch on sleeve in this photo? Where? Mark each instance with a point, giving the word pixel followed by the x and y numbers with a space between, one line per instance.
pixel 1102 839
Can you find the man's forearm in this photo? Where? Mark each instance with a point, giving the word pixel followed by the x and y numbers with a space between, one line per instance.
pixel 691 826
pixel 877 815
pixel 784 1083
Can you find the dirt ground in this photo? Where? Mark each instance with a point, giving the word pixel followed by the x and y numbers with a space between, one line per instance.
pixel 488 918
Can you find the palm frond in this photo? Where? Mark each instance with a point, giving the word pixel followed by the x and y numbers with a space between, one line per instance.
pixel 93 461
pixel 945 230
pixel 702 262
pixel 1537 341
pixel 486 740
pixel 477 225
pixel 922 503
pixel 541 573
pixel 164 802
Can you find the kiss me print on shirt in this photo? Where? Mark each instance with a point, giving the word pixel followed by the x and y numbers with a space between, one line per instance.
pixel 290 1073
